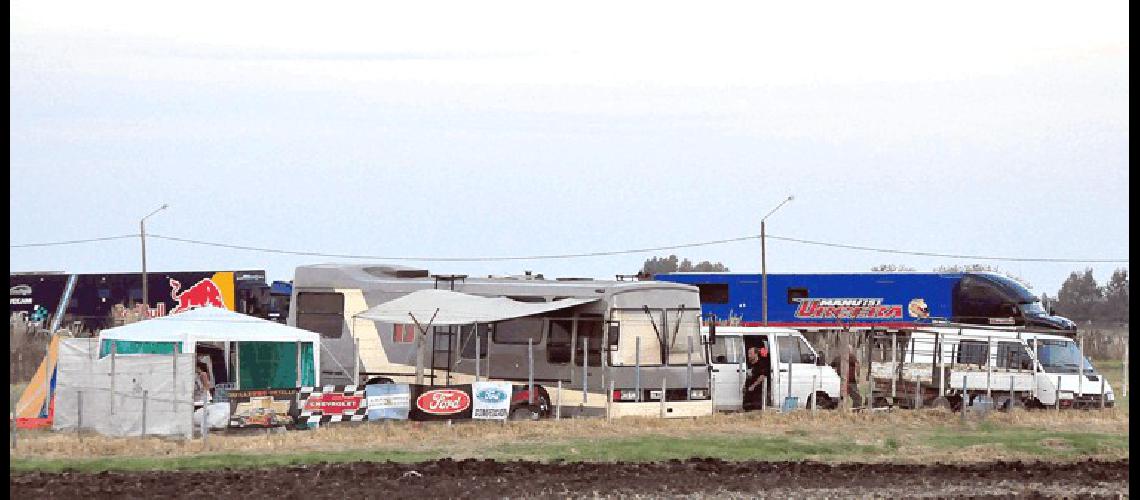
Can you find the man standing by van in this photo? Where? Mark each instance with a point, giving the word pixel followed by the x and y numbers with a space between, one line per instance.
pixel 758 366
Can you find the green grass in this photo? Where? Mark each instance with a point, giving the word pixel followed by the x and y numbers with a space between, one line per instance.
pixel 657 448
pixel 1021 443
pixel 1030 442
pixel 1112 369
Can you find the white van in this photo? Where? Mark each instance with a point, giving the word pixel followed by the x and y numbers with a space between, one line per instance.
pixel 796 368
pixel 1008 365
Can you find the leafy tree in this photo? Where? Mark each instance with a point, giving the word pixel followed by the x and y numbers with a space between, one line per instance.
pixel 1079 298
pixel 658 265
pixel 891 268
pixel 1115 306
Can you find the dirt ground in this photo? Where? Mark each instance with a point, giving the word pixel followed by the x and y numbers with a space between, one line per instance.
pixel 674 479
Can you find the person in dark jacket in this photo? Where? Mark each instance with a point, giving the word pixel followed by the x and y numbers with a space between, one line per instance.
pixel 759 364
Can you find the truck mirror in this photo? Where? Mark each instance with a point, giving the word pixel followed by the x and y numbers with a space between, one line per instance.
pixel 712 333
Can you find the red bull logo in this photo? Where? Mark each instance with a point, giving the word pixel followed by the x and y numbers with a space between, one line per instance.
pixel 203 294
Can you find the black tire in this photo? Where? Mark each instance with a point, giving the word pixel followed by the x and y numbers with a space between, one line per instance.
pixel 524 412
pixel 379 380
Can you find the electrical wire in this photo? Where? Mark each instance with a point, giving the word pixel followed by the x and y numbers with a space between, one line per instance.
pixel 587 254
pixel 457 259
pixel 73 242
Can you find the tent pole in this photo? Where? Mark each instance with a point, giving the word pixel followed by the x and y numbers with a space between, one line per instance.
pixel 237 365
pixel 420 345
pixel 475 329
pixel 114 351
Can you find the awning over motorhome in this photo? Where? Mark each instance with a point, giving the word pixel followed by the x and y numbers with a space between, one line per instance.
pixel 460 308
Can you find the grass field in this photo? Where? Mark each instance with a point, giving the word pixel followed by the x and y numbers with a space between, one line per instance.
pixel 906 436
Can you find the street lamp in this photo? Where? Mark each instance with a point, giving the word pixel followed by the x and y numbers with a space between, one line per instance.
pixel 764 263
pixel 142 236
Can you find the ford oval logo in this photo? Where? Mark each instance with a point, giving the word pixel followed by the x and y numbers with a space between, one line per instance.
pixel 443 401
pixel 491 395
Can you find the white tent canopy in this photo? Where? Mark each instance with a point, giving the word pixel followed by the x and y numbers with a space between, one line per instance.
pixel 214 324
pixel 208 324
pixel 460 308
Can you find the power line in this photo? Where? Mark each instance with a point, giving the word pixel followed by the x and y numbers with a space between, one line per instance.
pixel 73 242
pixel 457 259
pixel 587 254
pixel 951 256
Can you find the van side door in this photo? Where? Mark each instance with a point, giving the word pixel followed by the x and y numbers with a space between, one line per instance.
pixel 797 369
pixel 726 366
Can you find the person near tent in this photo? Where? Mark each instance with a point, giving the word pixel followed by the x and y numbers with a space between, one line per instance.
pixel 203 388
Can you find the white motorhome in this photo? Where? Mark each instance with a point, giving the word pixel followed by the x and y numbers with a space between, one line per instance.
pixel 797 370
pixel 635 337
pixel 952 365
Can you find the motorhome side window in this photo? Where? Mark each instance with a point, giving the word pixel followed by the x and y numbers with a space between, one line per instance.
pixel 713 293
pixel 467 340
pixel 972 352
pixel 518 331
pixel 321 312
pixel 558 340
pixel 794 294
pixel 590 327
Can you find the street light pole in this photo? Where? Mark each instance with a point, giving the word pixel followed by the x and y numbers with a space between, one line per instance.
pixel 142 237
pixel 764 262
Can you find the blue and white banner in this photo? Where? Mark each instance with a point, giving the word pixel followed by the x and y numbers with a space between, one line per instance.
pixel 492 400
pixel 388 401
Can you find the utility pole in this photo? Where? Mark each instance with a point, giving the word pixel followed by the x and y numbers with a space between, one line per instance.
pixel 142 237
pixel 764 261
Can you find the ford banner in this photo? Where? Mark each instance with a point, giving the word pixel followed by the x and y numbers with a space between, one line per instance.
pixel 441 402
pixel 492 400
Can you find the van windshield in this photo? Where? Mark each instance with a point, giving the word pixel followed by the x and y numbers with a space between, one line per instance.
pixel 1032 309
pixel 1061 356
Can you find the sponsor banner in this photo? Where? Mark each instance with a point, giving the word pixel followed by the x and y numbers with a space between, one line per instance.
pixel 862 308
pixel 440 402
pixel 388 401
pixel 332 403
pixel 492 400
pixel 262 408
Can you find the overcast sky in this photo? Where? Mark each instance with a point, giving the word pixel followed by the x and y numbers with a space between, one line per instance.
pixel 504 129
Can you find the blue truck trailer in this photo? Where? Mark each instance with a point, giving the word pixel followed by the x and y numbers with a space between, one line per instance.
pixel 883 300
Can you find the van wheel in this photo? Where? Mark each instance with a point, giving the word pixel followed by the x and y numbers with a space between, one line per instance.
pixel 524 413
pixel 821 400
pixel 379 380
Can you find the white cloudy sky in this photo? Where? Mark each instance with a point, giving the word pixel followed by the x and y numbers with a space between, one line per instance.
pixel 492 129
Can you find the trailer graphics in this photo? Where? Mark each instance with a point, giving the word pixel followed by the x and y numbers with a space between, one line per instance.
pixel 891 300
pixel 98 301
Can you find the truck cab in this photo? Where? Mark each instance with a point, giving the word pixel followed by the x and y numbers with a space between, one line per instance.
pixel 796 369
pixel 993 299
pixel 1064 372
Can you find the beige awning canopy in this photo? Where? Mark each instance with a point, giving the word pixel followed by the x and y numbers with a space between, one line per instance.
pixel 455 308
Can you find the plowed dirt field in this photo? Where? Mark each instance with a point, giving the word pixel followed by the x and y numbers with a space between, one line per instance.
pixel 674 479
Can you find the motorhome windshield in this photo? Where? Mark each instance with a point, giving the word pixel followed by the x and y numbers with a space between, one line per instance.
pixel 1061 356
